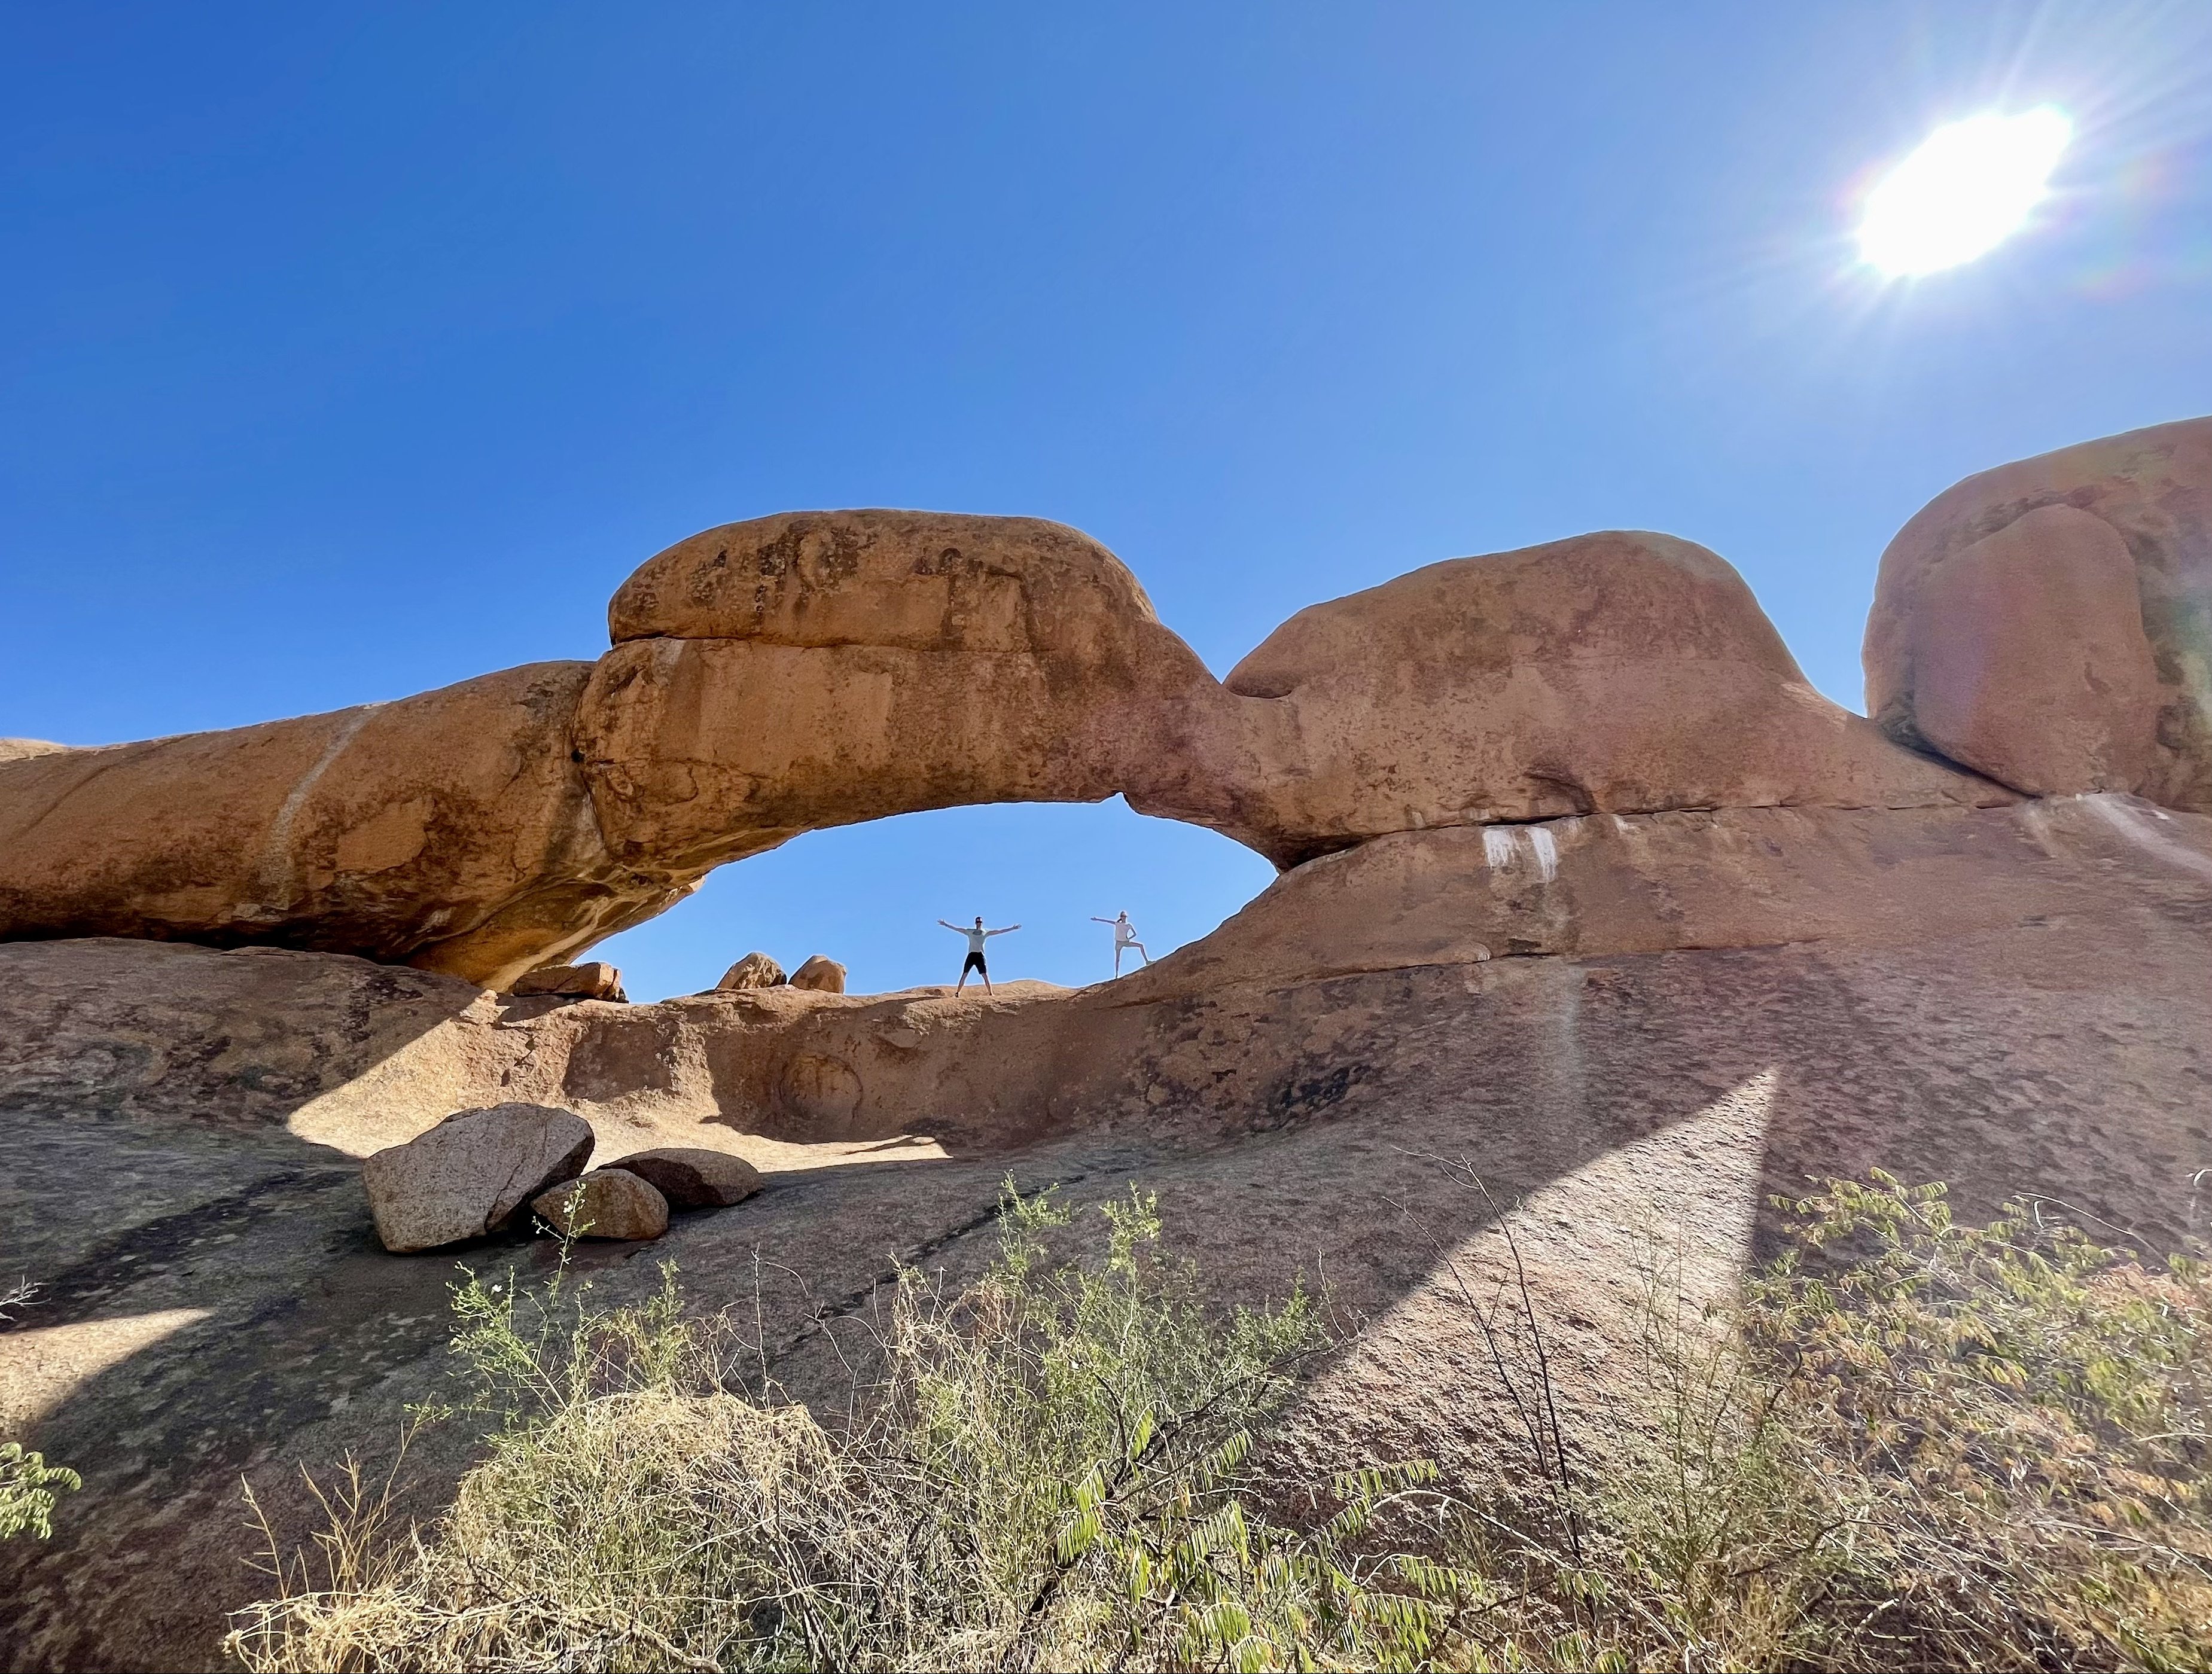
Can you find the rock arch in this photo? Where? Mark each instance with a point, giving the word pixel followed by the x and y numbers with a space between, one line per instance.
pixel 823 667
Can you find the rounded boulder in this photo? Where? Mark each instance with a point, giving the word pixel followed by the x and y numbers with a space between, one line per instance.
pixel 692 1177
pixel 607 1203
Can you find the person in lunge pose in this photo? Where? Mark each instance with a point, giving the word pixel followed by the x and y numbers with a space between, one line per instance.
pixel 974 963
pixel 1125 935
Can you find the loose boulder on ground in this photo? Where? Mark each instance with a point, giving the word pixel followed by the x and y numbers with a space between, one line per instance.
pixel 595 979
pixel 607 1203
pixel 755 970
pixel 471 1173
pixel 822 974
pixel 692 1177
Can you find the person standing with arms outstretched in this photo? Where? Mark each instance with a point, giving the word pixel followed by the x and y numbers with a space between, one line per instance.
pixel 1125 935
pixel 974 961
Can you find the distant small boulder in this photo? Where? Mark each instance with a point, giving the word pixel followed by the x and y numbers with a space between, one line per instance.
pixel 607 1203
pixel 595 979
pixel 472 1173
pixel 821 974
pixel 691 1177
pixel 755 970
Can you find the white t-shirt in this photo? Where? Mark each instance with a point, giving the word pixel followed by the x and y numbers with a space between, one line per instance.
pixel 976 939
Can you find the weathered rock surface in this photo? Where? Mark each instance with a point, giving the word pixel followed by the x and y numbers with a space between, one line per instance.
pixel 755 970
pixel 819 668
pixel 1732 941
pixel 607 1203
pixel 2049 622
pixel 822 668
pixel 2030 659
pixel 346 1051
pixel 1621 672
pixel 691 1177
pixel 821 975
pixel 21 749
pixel 471 1173
pixel 594 979
pixel 450 830
pixel 1636 1031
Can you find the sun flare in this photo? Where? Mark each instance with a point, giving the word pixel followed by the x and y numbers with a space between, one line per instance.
pixel 1969 187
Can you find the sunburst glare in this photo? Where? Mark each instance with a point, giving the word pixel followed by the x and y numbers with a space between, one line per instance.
pixel 1970 187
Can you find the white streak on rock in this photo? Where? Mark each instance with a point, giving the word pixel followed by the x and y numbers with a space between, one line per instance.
pixel 277 883
pixel 1547 852
pixel 2126 817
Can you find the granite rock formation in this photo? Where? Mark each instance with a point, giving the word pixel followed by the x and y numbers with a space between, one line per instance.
pixel 1585 894
pixel 821 974
pixel 755 970
pixel 2049 622
pixel 607 1203
pixel 594 979
pixel 1633 1028
pixel 1620 672
pixel 691 1177
pixel 471 1173
pixel 450 830
pixel 821 669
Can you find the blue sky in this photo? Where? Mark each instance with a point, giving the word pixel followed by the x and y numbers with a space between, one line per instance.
pixel 353 351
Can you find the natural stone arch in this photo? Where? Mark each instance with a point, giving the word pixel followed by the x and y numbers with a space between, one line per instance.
pixel 820 668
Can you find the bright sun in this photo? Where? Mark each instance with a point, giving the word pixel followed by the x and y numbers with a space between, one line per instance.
pixel 1967 189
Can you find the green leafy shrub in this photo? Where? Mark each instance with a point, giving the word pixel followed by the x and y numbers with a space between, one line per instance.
pixel 1051 1473
pixel 2015 1420
pixel 1911 1444
pixel 28 1485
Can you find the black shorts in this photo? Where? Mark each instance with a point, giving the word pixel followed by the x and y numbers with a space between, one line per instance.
pixel 974 963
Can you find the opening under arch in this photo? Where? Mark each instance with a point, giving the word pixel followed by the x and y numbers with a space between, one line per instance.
pixel 870 896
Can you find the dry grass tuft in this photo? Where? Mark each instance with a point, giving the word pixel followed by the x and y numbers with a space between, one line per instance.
pixel 1916 1445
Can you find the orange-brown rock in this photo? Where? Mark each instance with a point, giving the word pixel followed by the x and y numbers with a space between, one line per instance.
pixel 692 1177
pixel 822 667
pixel 607 1203
pixel 821 975
pixel 755 970
pixel 1637 1032
pixel 1621 672
pixel 2049 622
pixel 449 830
pixel 819 668
pixel 594 979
